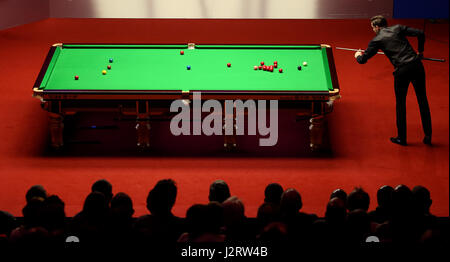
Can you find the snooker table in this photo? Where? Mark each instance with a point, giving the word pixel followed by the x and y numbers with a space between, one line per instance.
pixel 144 79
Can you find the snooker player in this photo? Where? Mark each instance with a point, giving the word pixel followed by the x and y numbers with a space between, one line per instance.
pixel 408 69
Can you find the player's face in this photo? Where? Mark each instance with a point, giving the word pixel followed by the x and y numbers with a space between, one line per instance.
pixel 376 29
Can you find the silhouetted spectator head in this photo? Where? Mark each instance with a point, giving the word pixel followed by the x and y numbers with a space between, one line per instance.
pixel 267 213
pixel 218 191
pixel 36 191
pixel 104 187
pixel 204 223
pixel 358 226
pixel 162 197
pixel 358 199
pixel 321 232
pixel 273 193
pixel 122 206
pixel 403 192
pixel 291 202
pixel 35 237
pixel 421 199
pixel 196 219
pixel 336 211
pixel 7 223
pixel 402 207
pixel 339 193
pixel 95 205
pixel 384 196
pixel 402 196
pixel 33 212
pixel 54 214
pixel 274 232
pixel 233 211
pixel 214 217
pixel 434 239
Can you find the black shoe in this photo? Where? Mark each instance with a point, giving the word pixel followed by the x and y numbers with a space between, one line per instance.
pixel 399 141
pixel 427 140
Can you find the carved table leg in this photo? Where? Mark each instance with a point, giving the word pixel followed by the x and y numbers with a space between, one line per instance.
pixel 228 119
pixel 317 129
pixel 56 126
pixel 143 132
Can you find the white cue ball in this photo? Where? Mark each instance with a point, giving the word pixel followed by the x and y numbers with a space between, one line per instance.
pixel 304 63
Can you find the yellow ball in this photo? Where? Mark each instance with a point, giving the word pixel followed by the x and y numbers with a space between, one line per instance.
pixel 104 72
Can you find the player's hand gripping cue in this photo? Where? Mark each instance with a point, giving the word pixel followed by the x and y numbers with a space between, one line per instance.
pixel 359 53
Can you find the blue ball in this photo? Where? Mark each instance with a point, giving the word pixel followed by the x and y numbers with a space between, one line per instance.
pixel 110 60
pixel 188 67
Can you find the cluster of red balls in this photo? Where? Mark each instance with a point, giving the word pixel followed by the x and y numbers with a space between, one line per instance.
pixel 268 67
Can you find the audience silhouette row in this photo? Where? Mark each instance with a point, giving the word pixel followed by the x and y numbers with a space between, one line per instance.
pixel 402 216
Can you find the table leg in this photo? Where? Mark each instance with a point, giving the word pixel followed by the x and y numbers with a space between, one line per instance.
pixel 230 141
pixel 228 119
pixel 56 126
pixel 317 131
pixel 143 133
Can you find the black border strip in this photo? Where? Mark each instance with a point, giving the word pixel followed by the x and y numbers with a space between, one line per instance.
pixel 44 67
pixel 123 46
pixel 333 72
pixel 183 44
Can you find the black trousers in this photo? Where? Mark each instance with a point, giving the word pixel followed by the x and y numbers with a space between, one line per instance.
pixel 404 75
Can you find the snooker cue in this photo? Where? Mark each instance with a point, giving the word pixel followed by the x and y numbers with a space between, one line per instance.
pixel 381 53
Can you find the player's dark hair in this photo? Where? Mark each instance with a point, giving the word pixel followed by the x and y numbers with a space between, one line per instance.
pixel 378 20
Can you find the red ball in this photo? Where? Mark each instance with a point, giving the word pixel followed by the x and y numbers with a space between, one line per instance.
pixel 275 65
pixel 109 66
pixel 229 64
pixel 262 63
pixel 77 77
pixel 276 62
pixel 280 70
pixel 260 67
pixel 271 68
pixel 181 52
pixel 264 68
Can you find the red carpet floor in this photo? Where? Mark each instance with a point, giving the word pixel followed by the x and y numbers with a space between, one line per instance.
pixel 360 126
